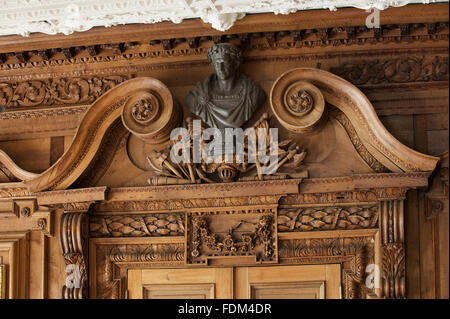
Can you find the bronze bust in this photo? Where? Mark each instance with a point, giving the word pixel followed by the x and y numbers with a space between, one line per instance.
pixel 227 98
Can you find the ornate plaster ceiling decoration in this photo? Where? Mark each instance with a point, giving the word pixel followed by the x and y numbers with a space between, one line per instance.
pixel 62 16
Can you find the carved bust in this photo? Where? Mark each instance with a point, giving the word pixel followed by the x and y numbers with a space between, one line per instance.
pixel 227 98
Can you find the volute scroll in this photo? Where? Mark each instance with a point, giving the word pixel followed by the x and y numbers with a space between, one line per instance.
pixel 298 105
pixel 151 114
pixel 298 98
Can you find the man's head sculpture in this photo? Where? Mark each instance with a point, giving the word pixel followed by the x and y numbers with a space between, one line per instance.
pixel 227 98
pixel 225 58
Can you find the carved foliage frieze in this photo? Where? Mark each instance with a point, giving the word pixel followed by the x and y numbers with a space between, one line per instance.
pixel 137 225
pixel 58 91
pixel 245 234
pixel 180 204
pixel 327 218
pixel 398 70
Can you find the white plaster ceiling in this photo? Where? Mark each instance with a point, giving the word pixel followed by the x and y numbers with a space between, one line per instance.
pixel 64 16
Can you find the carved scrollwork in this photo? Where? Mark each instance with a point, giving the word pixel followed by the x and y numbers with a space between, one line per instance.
pixel 57 91
pixel 151 114
pixel 399 70
pixel 298 105
pixel 73 237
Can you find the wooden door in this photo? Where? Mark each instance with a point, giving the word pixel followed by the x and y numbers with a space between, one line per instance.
pixel 288 282
pixel 278 282
pixel 198 283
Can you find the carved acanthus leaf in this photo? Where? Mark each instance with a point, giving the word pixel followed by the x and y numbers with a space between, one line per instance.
pixel 398 70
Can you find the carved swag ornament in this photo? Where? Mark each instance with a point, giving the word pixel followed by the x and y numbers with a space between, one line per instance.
pixel 259 243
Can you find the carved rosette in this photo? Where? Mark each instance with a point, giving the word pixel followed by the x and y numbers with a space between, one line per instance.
pixel 73 237
pixel 298 105
pixel 393 248
pixel 151 114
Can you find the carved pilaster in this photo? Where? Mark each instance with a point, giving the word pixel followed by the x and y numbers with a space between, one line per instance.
pixel 393 248
pixel 73 237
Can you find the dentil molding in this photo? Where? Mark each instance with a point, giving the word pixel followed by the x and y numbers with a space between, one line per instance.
pixel 61 16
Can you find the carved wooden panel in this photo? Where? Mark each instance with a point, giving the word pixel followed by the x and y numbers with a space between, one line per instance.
pixel 291 290
pixel 245 236
pixel 110 261
pixel 199 283
pixel 57 91
pixel 353 253
pixel 181 291
pixel 2 281
pixel 288 282
pixel 14 248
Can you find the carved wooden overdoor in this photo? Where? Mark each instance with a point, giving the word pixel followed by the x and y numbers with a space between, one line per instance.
pixel 335 205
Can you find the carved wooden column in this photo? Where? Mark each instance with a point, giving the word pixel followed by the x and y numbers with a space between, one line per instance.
pixel 393 248
pixel 73 237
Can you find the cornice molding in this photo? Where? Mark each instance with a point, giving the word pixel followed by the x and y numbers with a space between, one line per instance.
pixel 58 16
pixel 160 47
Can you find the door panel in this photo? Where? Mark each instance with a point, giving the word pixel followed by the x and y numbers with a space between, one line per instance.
pixel 278 282
pixel 200 283
pixel 288 290
pixel 288 282
pixel 195 291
